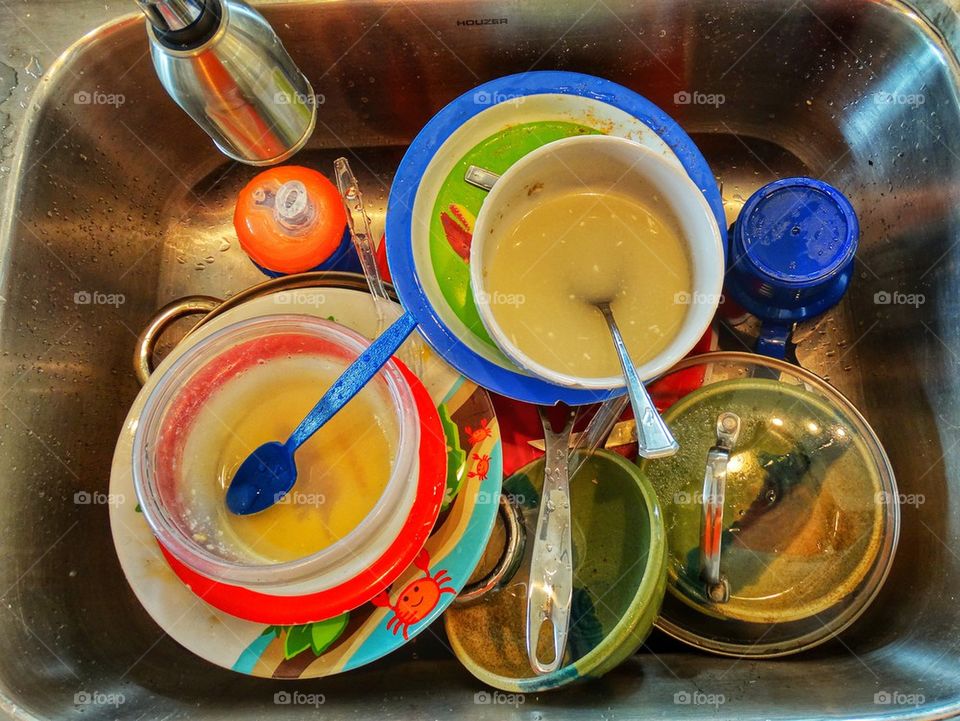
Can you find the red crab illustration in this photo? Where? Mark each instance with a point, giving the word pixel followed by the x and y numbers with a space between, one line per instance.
pixel 417 599
pixel 483 467
pixel 480 433
pixel 457 224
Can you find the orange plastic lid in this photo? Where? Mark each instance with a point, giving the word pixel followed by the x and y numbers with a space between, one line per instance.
pixel 289 219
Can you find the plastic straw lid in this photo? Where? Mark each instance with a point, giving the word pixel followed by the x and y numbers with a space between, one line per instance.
pixel 292 207
pixel 289 219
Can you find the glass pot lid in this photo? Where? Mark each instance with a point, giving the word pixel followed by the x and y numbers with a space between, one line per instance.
pixel 780 506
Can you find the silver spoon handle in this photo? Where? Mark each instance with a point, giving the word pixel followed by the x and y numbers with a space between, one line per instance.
pixel 654 439
pixel 550 586
pixel 596 432
pixel 358 222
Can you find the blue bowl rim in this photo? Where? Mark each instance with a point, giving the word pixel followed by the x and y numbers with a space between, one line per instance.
pixel 399 220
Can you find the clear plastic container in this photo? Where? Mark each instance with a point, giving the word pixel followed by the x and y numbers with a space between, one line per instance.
pixel 188 514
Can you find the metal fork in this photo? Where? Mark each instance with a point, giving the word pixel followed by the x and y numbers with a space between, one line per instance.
pixel 550 587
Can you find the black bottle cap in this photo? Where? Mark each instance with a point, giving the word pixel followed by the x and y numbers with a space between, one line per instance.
pixel 195 34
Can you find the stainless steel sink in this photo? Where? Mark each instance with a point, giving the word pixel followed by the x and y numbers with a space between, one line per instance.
pixel 118 203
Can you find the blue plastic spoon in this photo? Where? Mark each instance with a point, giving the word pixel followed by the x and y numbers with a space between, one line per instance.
pixel 268 474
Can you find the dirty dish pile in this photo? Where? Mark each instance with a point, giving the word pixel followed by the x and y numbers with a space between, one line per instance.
pixel 432 212
pixel 295 631
pixel 560 250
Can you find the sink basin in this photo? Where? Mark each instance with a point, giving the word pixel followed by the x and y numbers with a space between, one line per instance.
pixel 118 204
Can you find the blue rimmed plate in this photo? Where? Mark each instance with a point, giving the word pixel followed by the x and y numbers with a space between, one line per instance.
pixel 431 209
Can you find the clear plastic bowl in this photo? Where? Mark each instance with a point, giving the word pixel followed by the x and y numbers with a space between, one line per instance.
pixel 169 500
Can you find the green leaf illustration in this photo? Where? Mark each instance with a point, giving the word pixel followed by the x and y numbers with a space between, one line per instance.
pixel 297 641
pixel 324 633
pixel 456 458
pixel 275 630
pixel 317 636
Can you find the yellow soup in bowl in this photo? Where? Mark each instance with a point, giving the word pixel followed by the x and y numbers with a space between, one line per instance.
pixel 573 249
pixel 589 220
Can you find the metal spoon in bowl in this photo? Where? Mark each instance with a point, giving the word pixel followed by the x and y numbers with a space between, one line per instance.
pixel 653 436
pixel 654 439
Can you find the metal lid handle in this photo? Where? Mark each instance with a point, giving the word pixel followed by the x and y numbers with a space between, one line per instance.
pixel 711 523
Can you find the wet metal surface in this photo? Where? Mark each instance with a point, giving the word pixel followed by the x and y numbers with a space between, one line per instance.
pixel 115 203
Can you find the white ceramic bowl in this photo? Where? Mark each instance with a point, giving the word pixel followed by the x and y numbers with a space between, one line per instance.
pixel 625 167
pixel 544 107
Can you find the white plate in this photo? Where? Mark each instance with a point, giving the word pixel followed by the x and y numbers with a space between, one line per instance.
pixel 454 548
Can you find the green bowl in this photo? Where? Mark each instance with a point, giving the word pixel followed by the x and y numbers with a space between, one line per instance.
pixel 620 564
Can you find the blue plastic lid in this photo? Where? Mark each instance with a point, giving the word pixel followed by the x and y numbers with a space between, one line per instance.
pixel 792 256
pixel 797 231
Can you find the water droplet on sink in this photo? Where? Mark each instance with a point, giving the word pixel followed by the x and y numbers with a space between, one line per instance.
pixel 34 68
